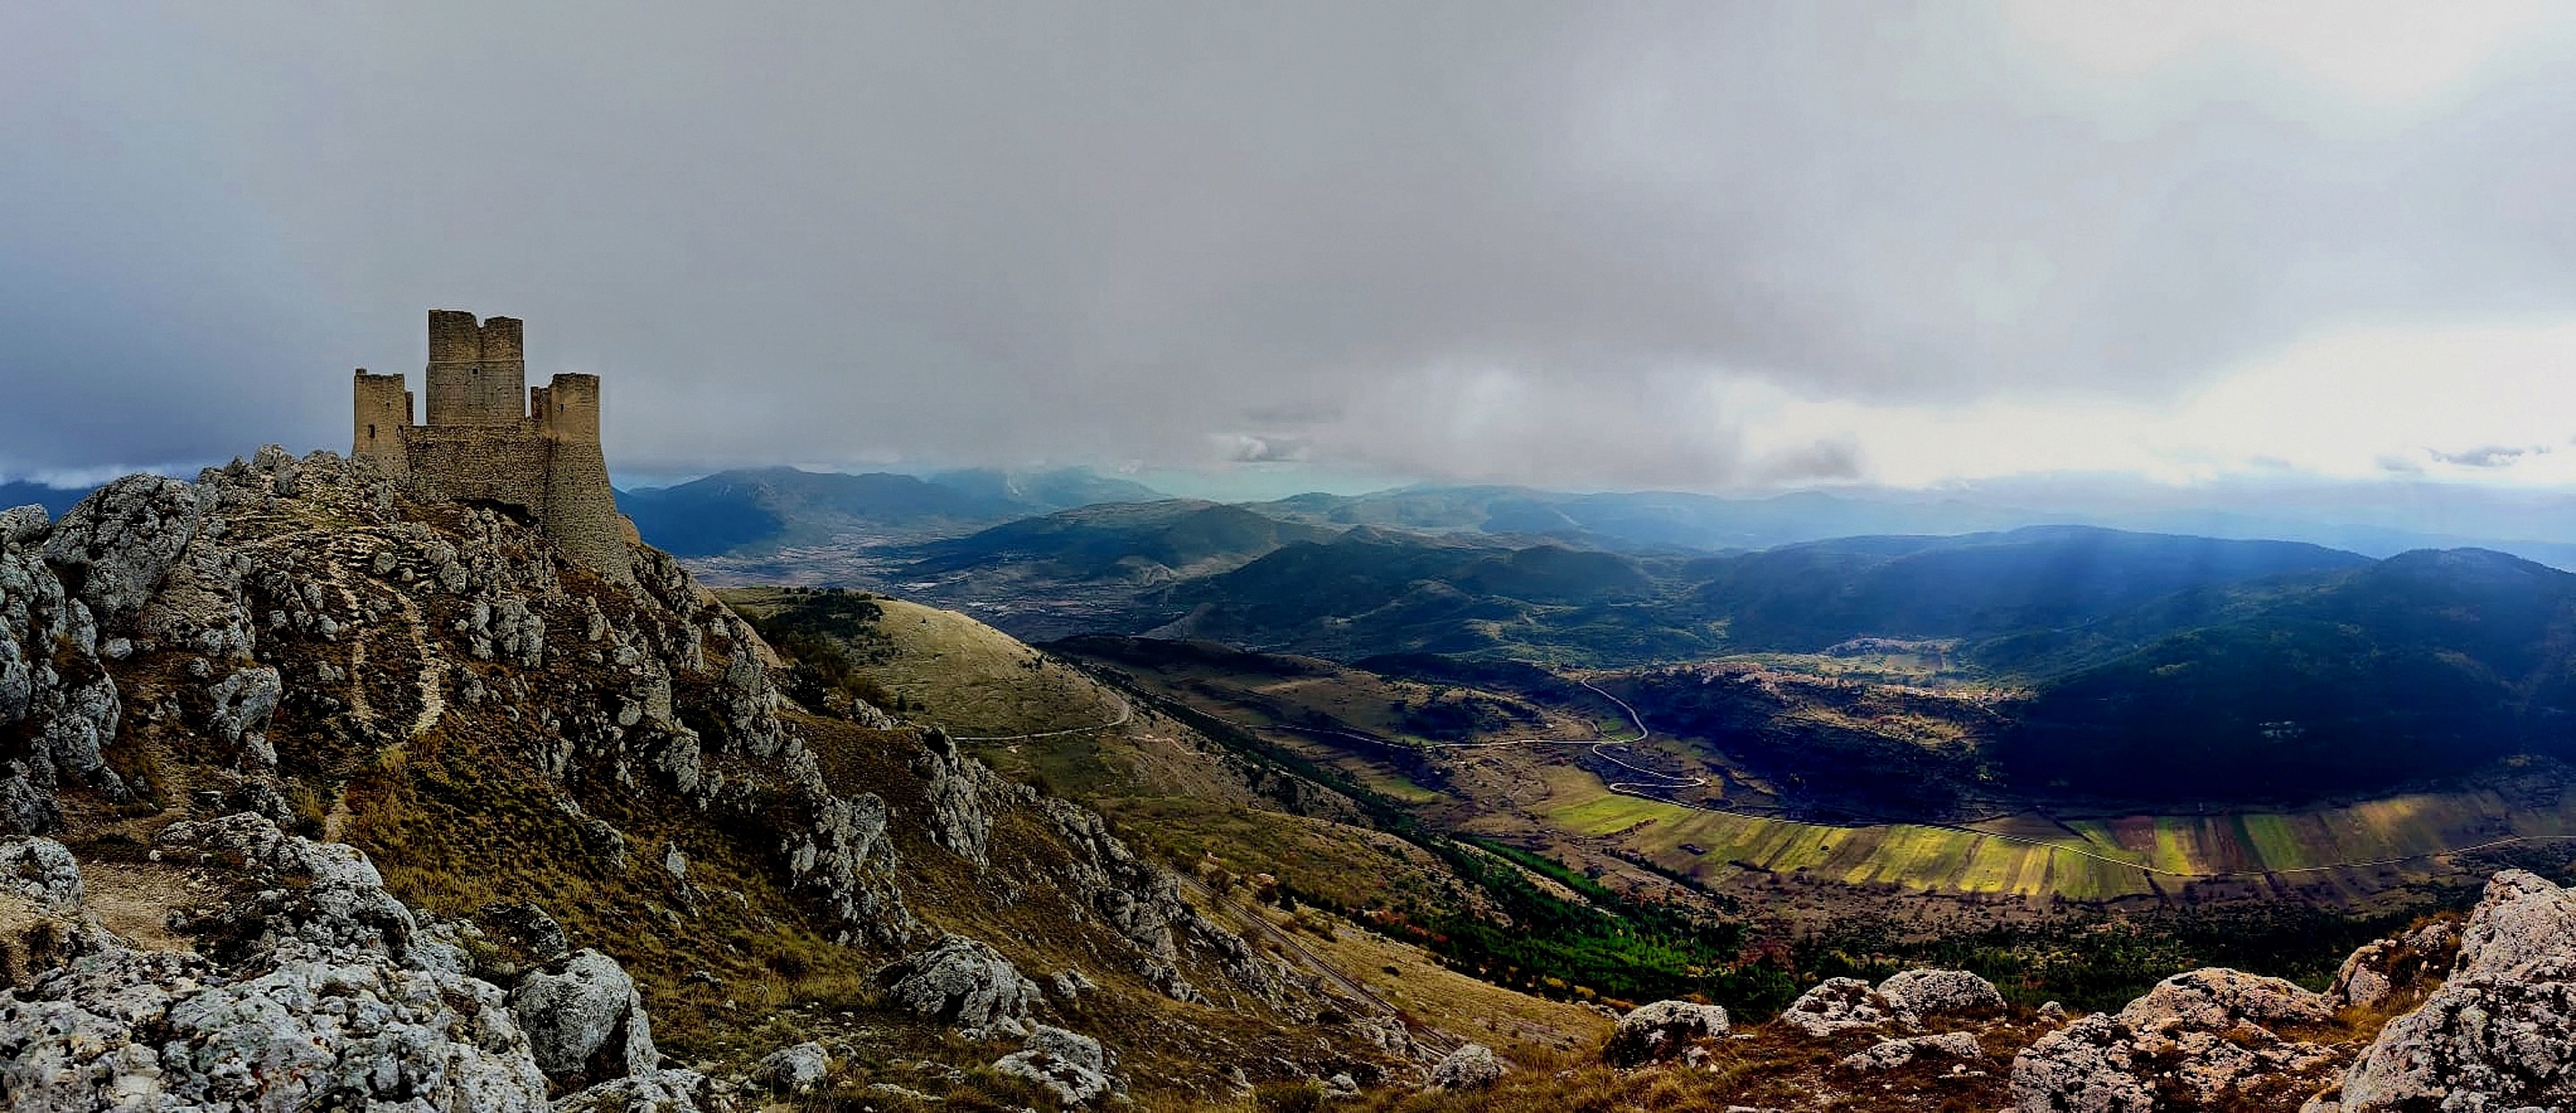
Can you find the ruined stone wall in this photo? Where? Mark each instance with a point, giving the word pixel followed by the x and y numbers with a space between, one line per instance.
pixel 478 371
pixel 506 466
pixel 383 418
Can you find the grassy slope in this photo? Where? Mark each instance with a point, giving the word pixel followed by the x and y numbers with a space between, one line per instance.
pixel 1175 792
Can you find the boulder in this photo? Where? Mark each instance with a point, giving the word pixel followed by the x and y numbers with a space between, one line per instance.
pixel 1659 1031
pixel 24 525
pixel 584 1019
pixel 1071 1065
pixel 1472 1067
pixel 1836 1005
pixel 42 871
pixel 1891 1054
pixel 963 982
pixel 792 1070
pixel 2501 1031
pixel 293 1025
pixel 1915 996
pixel 661 1091
pixel 114 548
pixel 2379 971
pixel 324 894
pixel 2194 1037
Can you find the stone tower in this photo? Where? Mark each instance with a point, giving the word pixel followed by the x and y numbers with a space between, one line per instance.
pixel 489 438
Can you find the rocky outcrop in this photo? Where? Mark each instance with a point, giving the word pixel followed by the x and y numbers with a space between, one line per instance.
pixel 1916 996
pixel 113 549
pixel 279 622
pixel 1909 998
pixel 584 1019
pixel 325 895
pixel 1472 1067
pixel 1836 1005
pixel 965 983
pixel 663 1091
pixel 1142 902
pixel 2193 1040
pixel 1651 1033
pixel 54 694
pixel 40 871
pixel 1891 1054
pixel 319 1000
pixel 2501 1031
pixel 2379 971
pixel 792 1070
pixel 1070 1065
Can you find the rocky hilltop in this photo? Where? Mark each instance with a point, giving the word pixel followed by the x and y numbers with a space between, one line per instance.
pixel 312 796
pixel 239 715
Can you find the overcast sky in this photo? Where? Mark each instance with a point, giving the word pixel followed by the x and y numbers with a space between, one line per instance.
pixel 1700 246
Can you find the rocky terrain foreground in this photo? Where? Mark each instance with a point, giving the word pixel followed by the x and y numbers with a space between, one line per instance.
pixel 238 715
pixel 314 798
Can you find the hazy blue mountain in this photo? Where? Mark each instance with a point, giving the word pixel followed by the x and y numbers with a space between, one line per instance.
pixel 1119 539
pixel 1668 520
pixel 765 508
pixel 1807 597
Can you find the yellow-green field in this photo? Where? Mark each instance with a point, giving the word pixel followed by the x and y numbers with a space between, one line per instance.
pixel 2034 856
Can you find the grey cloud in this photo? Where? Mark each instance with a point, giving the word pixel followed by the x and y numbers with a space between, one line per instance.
pixel 964 231
pixel 2491 456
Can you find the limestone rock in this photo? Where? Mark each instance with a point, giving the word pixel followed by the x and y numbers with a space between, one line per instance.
pixel 2198 1035
pixel 1836 1005
pixel 1142 900
pixel 661 1091
pixel 114 548
pixel 1472 1067
pixel 963 982
pixel 242 705
pixel 1072 1066
pixel 1891 1054
pixel 2379 970
pixel 792 1070
pixel 2501 1032
pixel 291 1026
pixel 1069 985
pixel 584 1019
pixel 1915 996
pixel 24 525
pixel 42 871
pixel 324 894
pixel 1659 1031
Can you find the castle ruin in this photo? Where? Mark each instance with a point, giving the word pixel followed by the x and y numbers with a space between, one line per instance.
pixel 490 438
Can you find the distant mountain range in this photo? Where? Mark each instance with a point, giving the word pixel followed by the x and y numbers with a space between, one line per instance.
pixel 761 510
pixel 755 512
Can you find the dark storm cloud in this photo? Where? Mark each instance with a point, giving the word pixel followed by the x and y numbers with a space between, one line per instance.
pixel 979 232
